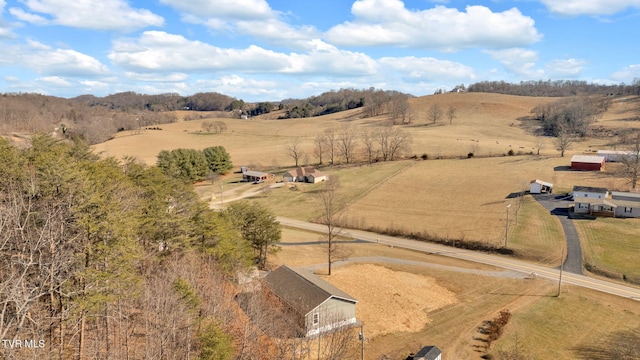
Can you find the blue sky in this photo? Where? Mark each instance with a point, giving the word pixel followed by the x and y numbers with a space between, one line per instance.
pixel 269 50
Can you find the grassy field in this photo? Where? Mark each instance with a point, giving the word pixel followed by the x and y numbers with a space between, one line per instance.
pixel 612 246
pixel 545 326
pixel 450 197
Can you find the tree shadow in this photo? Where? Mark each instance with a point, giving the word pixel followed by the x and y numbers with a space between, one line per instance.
pixel 617 345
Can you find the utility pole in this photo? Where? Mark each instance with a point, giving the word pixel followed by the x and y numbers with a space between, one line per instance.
pixel 361 337
pixel 221 196
pixel 506 228
pixel 561 269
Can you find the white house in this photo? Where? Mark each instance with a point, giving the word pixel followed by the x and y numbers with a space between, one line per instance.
pixel 539 187
pixel 588 199
pixel 627 204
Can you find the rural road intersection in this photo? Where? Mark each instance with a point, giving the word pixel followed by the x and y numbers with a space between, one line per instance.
pixel 479 257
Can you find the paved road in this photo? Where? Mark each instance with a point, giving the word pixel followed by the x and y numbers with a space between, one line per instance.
pixel 558 205
pixel 489 259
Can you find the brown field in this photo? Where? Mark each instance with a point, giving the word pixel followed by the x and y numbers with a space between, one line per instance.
pixel 451 197
pixel 403 317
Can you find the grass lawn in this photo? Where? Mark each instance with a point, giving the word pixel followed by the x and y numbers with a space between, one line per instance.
pixel 568 326
pixel 612 246
pixel 537 235
pixel 303 203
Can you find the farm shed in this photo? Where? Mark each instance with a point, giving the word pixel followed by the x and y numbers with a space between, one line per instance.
pixel 587 163
pixel 318 305
pixel 304 174
pixel 540 187
pixel 615 155
pixel 427 353
pixel 250 175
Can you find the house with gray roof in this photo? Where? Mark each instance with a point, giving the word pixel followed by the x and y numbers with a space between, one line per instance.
pixel 319 306
pixel 427 353
pixel 601 202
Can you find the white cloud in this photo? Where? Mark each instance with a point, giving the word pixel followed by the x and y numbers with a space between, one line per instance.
pixel 87 14
pixel 55 81
pixel 155 51
pixel 5 29
pixel 564 68
pixel 428 69
pixel 225 10
pixel 42 59
pixel 627 73
pixel 589 7
pixel 518 61
pixel 247 17
pixel 175 77
pixel 388 22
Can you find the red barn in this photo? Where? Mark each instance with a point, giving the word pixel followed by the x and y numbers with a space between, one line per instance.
pixel 587 163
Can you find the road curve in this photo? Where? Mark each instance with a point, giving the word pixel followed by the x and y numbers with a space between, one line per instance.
pixel 479 257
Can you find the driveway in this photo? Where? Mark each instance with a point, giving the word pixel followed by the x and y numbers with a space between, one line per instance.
pixel 558 205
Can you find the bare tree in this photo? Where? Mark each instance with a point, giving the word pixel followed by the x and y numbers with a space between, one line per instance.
pixel 539 144
pixel 564 138
pixel 368 138
pixel 207 126
pixel 392 142
pixel 451 113
pixel 329 218
pixel 631 164
pixel 330 136
pixel 399 109
pixel 434 113
pixel 294 151
pixel 320 145
pixel 346 142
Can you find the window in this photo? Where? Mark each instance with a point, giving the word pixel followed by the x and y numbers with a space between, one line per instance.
pixel 316 318
pixel 628 210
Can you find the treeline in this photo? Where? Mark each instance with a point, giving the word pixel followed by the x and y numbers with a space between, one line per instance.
pixel 108 259
pixel 371 100
pixel 556 88
pixel 572 115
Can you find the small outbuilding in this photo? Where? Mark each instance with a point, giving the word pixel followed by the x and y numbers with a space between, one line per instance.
pixel 317 305
pixel 617 155
pixel 427 353
pixel 540 187
pixel 587 163
pixel 258 176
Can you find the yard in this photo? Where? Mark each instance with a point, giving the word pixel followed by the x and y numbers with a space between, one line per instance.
pixel 612 246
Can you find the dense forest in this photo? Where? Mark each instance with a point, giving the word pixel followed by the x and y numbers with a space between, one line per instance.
pixel 107 259
pixel 556 88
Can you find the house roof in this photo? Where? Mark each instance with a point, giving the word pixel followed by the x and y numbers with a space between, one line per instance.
pixel 618 194
pixel 595 201
pixel 302 290
pixel 590 189
pixel 428 353
pixel 304 171
pixel 254 173
pixel 536 181
pixel 587 159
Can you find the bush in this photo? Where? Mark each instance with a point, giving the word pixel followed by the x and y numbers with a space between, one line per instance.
pixel 470 155
pixel 511 153
pixel 424 156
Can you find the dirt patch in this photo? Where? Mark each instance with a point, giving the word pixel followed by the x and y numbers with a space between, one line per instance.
pixel 391 301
